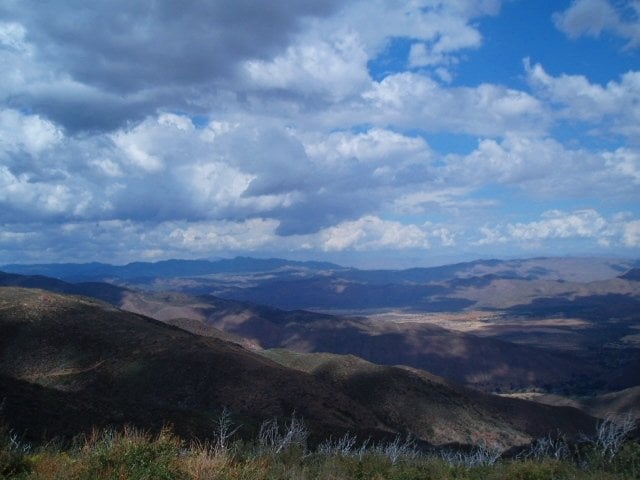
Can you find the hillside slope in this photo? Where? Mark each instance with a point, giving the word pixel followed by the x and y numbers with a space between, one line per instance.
pixel 416 401
pixel 70 363
pixel 484 363
pixel 114 367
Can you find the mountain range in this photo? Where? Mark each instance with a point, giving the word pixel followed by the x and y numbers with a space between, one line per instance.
pixel 350 350
pixel 68 364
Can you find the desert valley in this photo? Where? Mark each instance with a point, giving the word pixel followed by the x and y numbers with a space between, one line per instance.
pixel 445 354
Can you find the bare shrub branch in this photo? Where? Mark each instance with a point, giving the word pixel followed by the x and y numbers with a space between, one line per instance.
pixel 397 449
pixel 547 447
pixel 479 455
pixel 344 446
pixel 224 430
pixel 273 439
pixel 611 433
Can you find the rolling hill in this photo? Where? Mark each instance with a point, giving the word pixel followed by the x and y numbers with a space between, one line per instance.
pixel 69 363
pixel 557 336
pixel 416 400
pixel 484 363
pixel 114 367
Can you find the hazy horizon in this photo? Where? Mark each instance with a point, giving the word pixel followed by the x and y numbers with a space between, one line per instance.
pixel 374 133
pixel 348 262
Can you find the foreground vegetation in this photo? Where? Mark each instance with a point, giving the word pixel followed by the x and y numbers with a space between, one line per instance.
pixel 281 452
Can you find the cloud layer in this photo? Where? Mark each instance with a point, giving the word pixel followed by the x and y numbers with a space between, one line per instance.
pixel 307 128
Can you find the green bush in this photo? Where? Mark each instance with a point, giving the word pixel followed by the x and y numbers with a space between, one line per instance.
pixel 133 455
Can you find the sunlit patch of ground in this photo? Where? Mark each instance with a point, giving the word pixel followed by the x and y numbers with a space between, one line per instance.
pixel 478 321
pixel 554 332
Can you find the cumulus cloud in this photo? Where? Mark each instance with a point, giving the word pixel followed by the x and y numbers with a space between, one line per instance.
pixel 29 133
pixel 99 66
pixel 224 236
pixel 121 60
pixel 371 233
pixel 182 129
pixel 331 70
pixel 413 99
pixel 558 224
pixel 180 239
pixel 373 146
pixel 580 100
pixel 542 167
pixel 625 162
pixel 141 46
pixel 442 27
pixel 593 17
pixel 554 225
pixel 166 169
pixel 432 198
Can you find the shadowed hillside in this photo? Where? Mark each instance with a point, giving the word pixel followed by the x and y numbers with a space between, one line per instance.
pixel 114 367
pixel 69 363
pixel 622 402
pixel 449 413
pixel 480 362
pixel 520 346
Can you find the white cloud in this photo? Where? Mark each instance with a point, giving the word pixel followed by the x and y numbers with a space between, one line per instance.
pixel 107 167
pixel 544 168
pixel 556 225
pixel 517 160
pixel 214 183
pixel 407 99
pixel 371 233
pixel 631 235
pixel 446 26
pixel 625 162
pixel 615 104
pixel 420 56
pixel 263 130
pixel 30 133
pixel 333 69
pixel 373 146
pixel 20 198
pixel 490 236
pixel 206 237
pixel 12 36
pixel 149 143
pixel 593 17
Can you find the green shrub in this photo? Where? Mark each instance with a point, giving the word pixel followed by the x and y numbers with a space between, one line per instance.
pixel 133 455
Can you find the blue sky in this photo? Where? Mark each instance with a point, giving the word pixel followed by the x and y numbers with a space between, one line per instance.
pixel 373 133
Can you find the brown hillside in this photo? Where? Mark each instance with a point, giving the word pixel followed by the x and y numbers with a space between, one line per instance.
pixel 113 367
pixel 70 363
pixel 417 402
pixel 484 363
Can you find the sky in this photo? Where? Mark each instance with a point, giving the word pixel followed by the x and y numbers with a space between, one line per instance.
pixel 377 133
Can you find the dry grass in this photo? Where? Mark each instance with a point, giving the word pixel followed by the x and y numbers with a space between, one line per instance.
pixel 135 455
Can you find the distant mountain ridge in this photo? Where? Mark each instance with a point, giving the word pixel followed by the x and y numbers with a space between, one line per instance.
pixel 165 268
pixel 103 291
pixel 575 269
